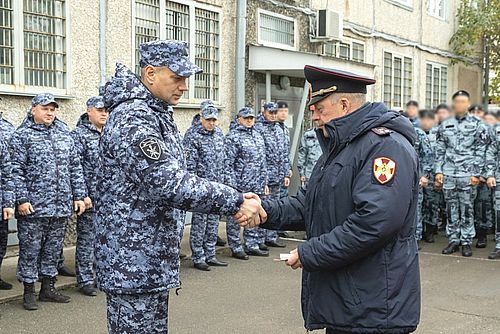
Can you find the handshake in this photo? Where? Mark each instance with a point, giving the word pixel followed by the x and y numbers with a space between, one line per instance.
pixel 251 213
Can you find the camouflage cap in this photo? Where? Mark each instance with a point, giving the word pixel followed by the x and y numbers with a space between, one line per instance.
pixel 95 102
pixel 210 112
pixel 204 103
pixel 246 112
pixel 271 106
pixel 44 99
pixel 172 54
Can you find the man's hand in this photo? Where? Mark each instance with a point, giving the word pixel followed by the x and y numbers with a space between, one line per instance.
pixel 79 207
pixel 88 203
pixel 286 183
pixel 8 213
pixel 294 260
pixel 303 180
pixel 474 181
pixel 250 210
pixel 25 209
pixel 424 182
pixel 266 190
pixel 438 182
pixel 491 182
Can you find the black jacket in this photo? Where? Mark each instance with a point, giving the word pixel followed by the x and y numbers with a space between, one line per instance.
pixel 361 271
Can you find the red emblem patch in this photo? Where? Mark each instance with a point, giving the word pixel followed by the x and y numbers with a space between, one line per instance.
pixel 384 169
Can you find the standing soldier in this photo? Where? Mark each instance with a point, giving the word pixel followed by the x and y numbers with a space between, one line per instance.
pixel 276 158
pixel 245 170
pixel 493 182
pixel 86 136
pixel 309 153
pixel 460 152
pixel 426 168
pixel 49 185
pixel 281 117
pixel 141 183
pixel 203 145
pixel 412 113
pixel 6 131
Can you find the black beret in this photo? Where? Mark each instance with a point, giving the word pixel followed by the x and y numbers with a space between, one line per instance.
pixel 325 81
pixel 461 93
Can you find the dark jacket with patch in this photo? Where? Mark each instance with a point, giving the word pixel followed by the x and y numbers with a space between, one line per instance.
pixel 360 262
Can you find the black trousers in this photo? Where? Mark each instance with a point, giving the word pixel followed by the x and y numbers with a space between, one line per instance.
pixel 331 331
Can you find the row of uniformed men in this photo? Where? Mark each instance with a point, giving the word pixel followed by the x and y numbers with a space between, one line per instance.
pixel 458 148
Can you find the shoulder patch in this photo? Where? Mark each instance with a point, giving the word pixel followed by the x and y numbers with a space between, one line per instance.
pixel 384 169
pixel 151 148
pixel 382 131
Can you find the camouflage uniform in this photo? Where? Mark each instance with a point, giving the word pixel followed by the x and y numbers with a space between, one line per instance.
pixel 286 132
pixel 245 170
pixel 483 206
pixel 433 203
pixel 6 131
pixel 277 160
pixel 460 152
pixel 204 158
pixel 46 173
pixel 86 137
pixel 309 153
pixel 142 178
pixel 426 166
pixel 493 170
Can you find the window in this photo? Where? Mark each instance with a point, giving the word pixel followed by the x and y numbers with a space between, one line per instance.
pixel 348 50
pixel 398 80
pixel 276 30
pixel 438 8
pixel 404 3
pixel 33 50
pixel 436 85
pixel 194 23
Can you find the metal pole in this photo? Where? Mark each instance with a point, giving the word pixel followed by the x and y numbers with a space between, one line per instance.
pixel 268 86
pixel 241 24
pixel 102 40
pixel 298 125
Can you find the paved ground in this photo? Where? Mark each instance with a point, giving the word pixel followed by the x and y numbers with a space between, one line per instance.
pixel 260 296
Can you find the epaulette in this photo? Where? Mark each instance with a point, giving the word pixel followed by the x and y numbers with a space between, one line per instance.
pixel 381 131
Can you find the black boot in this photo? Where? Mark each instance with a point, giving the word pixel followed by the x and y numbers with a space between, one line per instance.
pixel 450 249
pixel 466 251
pixel 64 271
pixel 482 238
pixel 48 292
pixel 4 285
pixel 29 297
pixel 429 233
pixel 495 255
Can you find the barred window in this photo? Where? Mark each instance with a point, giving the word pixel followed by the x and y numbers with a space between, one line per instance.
pixel 398 80
pixel 348 50
pixel 276 30
pixel 436 85
pixel 198 25
pixel 40 60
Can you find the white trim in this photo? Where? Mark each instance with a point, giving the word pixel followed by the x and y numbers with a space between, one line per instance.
pixel 401 56
pixel 277 45
pixel 349 41
pixel 404 4
pixel 434 13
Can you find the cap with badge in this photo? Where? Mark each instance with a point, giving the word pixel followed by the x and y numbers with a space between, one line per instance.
pixel 95 102
pixel 44 99
pixel 325 81
pixel 210 112
pixel 271 107
pixel 461 93
pixel 171 54
pixel 246 112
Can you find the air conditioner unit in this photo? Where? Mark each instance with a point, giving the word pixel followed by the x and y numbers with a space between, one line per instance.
pixel 329 25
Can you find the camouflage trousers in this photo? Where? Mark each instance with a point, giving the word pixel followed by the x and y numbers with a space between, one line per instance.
pixel 203 236
pixel 459 196
pixel 40 245
pixel 432 205
pixel 483 207
pixel 84 257
pixel 268 235
pixel 4 236
pixel 251 236
pixel 138 314
pixel 497 215
pixel 419 227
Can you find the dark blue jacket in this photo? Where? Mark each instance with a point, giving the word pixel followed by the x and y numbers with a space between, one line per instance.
pixel 361 271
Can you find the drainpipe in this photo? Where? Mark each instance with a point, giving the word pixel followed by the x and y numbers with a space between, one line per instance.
pixel 241 25
pixel 102 40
